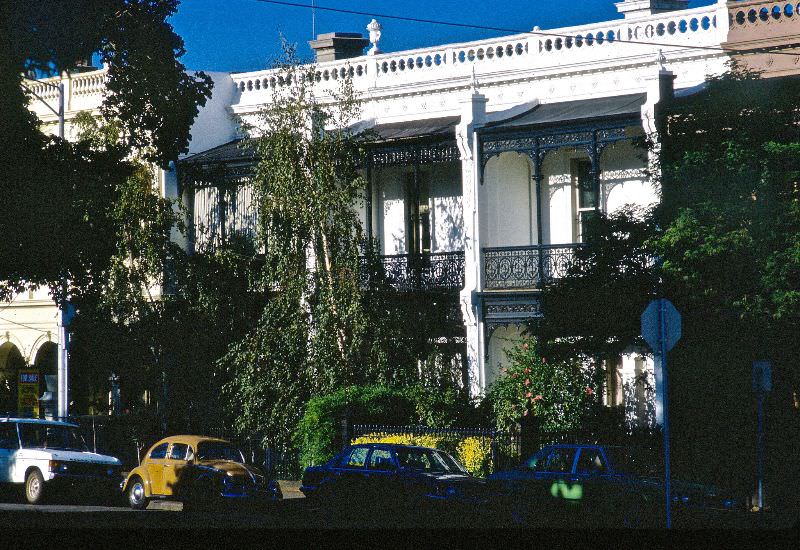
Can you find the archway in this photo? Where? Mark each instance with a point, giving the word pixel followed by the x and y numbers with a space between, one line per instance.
pixel 11 361
pixel 46 363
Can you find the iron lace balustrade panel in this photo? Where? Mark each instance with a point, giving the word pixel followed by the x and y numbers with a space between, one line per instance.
pixel 526 267
pixel 410 272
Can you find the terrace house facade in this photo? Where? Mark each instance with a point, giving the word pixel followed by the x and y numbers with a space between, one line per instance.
pixel 492 155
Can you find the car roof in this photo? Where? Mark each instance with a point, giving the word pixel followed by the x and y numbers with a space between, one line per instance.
pixel 43 421
pixel 397 446
pixel 189 439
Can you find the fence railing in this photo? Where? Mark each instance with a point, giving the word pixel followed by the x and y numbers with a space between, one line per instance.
pixel 414 272
pixel 526 267
pixel 503 448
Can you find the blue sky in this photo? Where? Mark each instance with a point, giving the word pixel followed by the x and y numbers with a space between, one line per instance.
pixel 242 35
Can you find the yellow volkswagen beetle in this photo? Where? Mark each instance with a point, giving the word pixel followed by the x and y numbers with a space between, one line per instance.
pixel 197 470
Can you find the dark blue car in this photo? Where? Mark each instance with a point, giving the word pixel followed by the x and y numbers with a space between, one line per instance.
pixel 599 485
pixel 400 482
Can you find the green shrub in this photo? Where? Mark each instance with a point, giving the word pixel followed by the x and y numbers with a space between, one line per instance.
pixel 318 432
pixel 560 395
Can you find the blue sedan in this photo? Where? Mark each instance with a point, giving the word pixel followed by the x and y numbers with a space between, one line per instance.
pixel 597 485
pixel 396 481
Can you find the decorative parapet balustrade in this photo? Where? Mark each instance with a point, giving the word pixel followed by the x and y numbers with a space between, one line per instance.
pixel 526 267
pixel 415 272
pixel 81 91
pixel 759 20
pixel 556 49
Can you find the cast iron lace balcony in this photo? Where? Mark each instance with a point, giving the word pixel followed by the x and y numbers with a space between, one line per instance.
pixel 410 272
pixel 526 267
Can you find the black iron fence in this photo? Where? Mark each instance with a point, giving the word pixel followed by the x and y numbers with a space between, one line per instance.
pixel 494 450
pixel 414 272
pixel 526 267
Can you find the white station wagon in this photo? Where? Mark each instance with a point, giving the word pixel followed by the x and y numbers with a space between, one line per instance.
pixel 47 455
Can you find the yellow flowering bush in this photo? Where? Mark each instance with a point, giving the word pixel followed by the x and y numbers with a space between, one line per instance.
pixel 475 453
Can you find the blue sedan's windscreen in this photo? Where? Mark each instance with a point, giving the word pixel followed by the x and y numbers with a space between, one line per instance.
pixel 428 460
pixel 633 461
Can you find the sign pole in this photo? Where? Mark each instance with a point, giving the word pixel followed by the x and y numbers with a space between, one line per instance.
pixel 663 330
pixel 760 451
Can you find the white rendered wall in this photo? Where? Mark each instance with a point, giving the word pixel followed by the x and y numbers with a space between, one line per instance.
pixel 558 199
pixel 391 204
pixel 446 207
pixel 509 217
pixel 215 123
pixel 623 178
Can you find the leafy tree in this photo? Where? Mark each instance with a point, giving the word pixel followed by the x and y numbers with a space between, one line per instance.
pixel 59 197
pixel 157 342
pixel 723 246
pixel 310 337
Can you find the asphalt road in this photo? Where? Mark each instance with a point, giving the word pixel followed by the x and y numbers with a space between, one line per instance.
pixel 291 513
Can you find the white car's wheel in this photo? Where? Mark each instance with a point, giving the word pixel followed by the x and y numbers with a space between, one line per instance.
pixel 34 487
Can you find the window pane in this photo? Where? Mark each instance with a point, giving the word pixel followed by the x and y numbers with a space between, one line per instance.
pixel 381 459
pixel 160 451
pixel 51 436
pixel 8 436
pixel 587 194
pixel 586 218
pixel 356 459
pixel 218 450
pixel 590 462
pixel 560 460
pixel 178 451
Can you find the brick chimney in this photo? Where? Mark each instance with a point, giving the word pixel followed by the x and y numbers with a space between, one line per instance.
pixel 338 45
pixel 638 8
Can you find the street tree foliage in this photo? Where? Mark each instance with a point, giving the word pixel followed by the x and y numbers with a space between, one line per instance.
pixel 311 337
pixel 146 317
pixel 59 197
pixel 723 246
pixel 331 319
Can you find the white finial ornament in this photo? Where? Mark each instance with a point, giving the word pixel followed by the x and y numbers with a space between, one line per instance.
pixel 474 84
pixel 374 29
pixel 661 59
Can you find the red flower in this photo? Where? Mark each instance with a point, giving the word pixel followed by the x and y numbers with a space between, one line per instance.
pixel 538 397
pixel 589 391
pixel 525 413
pixel 529 395
pixel 527 370
pixel 525 346
pixel 513 375
pixel 527 382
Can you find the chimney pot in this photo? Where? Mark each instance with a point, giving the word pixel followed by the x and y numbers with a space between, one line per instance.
pixel 338 45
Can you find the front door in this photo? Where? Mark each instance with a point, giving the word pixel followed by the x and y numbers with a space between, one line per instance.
pixel 9 443
pixel 155 469
pixel 174 469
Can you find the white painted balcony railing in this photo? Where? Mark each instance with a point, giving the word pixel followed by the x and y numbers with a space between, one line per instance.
pixel 81 91
pixel 551 50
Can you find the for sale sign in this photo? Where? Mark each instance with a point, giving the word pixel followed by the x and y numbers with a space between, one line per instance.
pixel 28 393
